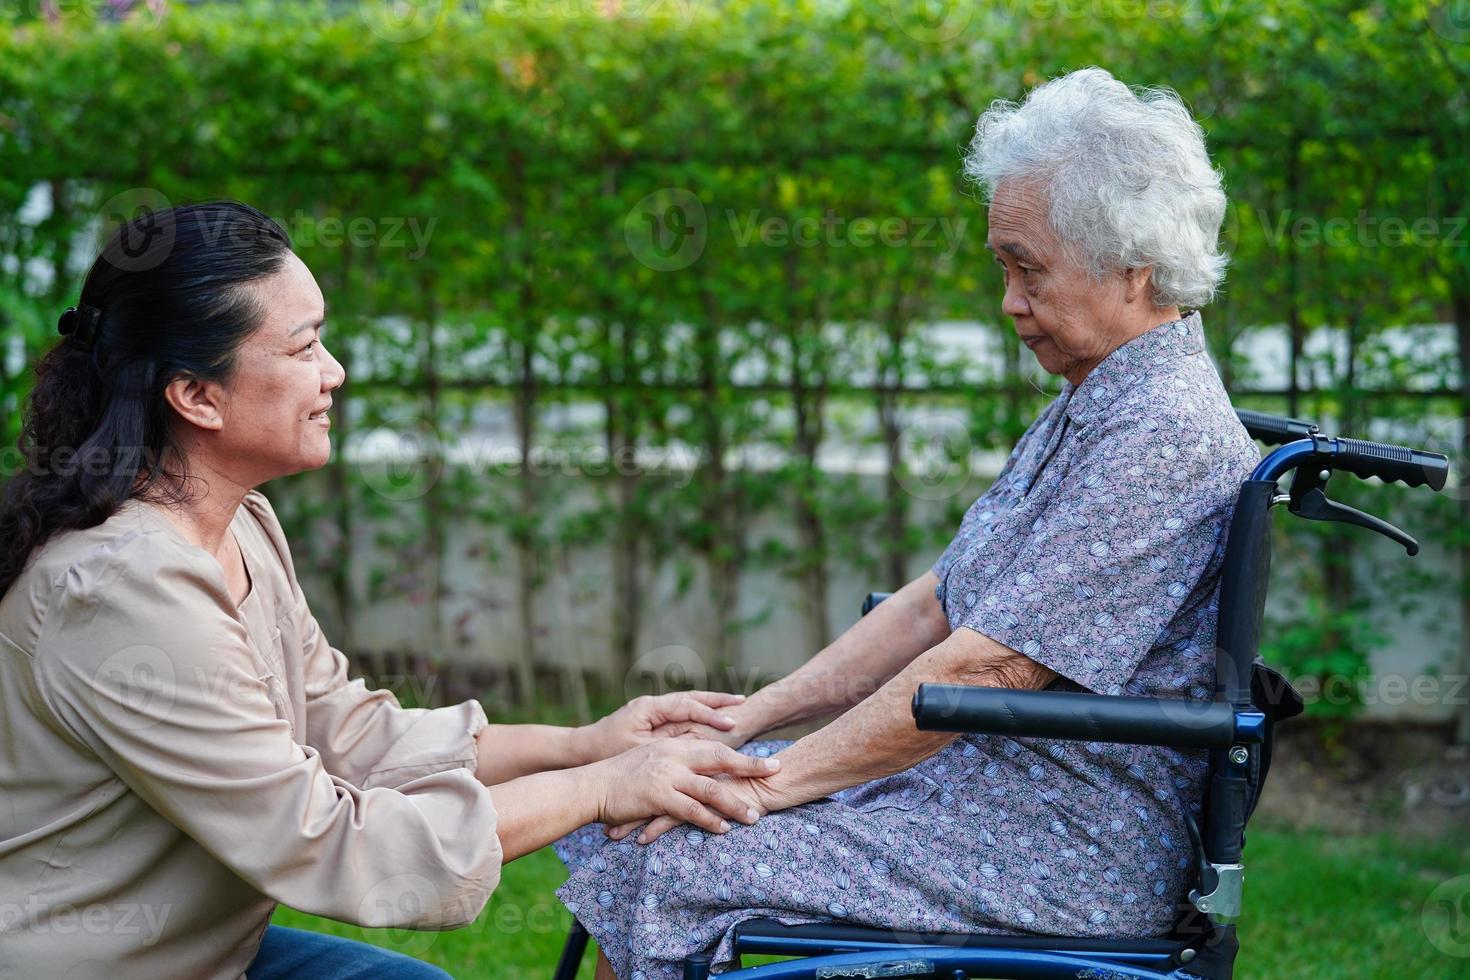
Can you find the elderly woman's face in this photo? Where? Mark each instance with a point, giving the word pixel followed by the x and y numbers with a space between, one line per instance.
pixel 1069 321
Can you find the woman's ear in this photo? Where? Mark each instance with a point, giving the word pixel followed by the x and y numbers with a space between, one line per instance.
pixel 1137 283
pixel 197 402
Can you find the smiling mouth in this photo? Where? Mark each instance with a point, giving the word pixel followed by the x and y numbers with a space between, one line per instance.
pixel 1032 341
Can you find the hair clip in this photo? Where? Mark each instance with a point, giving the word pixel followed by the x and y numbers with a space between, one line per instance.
pixel 79 324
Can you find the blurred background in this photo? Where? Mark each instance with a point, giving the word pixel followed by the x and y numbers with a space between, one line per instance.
pixel 670 334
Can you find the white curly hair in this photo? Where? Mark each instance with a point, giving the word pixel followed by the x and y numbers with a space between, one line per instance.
pixel 1125 174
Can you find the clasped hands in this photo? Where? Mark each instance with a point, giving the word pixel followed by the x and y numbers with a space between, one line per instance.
pixel 676 762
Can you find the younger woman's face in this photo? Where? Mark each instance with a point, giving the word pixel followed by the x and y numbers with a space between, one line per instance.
pixel 273 409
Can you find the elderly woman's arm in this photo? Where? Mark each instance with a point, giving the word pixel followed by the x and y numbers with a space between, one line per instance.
pixel 877 737
pixel 849 669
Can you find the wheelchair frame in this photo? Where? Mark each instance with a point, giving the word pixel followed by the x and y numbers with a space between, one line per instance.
pixel 1236 727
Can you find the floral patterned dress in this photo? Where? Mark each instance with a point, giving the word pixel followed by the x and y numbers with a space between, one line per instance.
pixel 1097 553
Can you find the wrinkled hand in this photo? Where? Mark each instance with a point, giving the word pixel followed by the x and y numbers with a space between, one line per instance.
pixel 734 735
pixel 650 718
pixel 761 793
pixel 680 781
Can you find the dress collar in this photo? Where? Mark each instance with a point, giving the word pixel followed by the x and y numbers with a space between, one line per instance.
pixel 1130 363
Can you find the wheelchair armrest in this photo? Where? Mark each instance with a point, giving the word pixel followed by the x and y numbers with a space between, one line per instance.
pixel 1177 722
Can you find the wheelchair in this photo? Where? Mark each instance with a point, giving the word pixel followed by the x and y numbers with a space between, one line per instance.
pixel 1236 727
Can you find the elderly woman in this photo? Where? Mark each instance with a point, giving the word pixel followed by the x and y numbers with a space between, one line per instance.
pixel 183 747
pixel 1091 564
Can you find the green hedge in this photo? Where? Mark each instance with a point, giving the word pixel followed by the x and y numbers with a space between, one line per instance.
pixel 537 204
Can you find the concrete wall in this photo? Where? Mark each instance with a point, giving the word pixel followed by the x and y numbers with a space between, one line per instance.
pixel 676 638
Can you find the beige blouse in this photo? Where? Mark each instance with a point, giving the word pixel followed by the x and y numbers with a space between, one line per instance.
pixel 172 765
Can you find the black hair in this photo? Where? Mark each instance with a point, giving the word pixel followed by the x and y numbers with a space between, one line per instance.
pixel 171 286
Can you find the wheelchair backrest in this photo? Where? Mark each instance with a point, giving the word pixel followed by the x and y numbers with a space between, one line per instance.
pixel 1243 679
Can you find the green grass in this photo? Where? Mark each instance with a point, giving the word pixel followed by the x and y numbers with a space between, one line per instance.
pixel 1317 906
pixel 517 937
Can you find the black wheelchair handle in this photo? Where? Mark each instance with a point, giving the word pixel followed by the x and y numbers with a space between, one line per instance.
pixel 1178 722
pixel 1274 430
pixel 1412 467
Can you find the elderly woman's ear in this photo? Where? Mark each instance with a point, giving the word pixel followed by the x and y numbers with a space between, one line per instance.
pixel 1138 284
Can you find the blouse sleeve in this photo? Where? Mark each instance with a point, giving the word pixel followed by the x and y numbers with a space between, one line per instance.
pixel 365 736
pixel 1110 562
pixel 142 660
